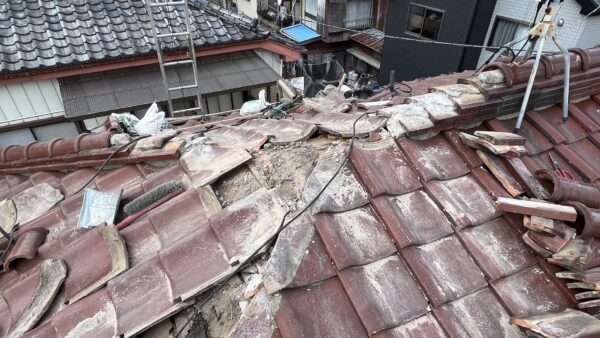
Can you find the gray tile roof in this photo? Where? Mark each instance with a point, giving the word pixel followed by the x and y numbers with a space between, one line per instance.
pixel 35 34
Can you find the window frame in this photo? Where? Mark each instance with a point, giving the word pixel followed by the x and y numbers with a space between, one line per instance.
pixel 495 27
pixel 420 36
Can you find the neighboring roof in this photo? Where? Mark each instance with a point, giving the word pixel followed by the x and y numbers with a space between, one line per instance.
pixel 136 87
pixel 371 38
pixel 300 33
pixel 373 62
pixel 45 34
pixel 406 240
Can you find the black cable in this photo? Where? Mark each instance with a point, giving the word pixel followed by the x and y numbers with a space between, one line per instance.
pixel 491 56
pixel 530 38
pixel 281 227
pixel 106 162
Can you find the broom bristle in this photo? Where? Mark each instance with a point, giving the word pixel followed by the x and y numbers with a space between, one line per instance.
pixel 151 196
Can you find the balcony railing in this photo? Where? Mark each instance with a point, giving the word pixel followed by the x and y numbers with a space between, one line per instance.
pixel 358 23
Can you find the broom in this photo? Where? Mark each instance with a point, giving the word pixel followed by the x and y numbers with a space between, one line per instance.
pixel 150 200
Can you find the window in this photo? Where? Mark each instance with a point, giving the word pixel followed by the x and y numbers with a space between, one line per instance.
pixel 358 14
pixel 424 21
pixel 505 31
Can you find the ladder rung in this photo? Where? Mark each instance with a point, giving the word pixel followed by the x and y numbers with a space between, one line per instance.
pixel 167 35
pixel 175 63
pixel 187 110
pixel 183 87
pixel 168 3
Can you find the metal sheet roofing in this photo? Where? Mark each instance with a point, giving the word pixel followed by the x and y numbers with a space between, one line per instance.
pixel 300 33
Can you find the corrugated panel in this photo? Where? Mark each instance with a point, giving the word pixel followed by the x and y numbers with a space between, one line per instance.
pixel 30 101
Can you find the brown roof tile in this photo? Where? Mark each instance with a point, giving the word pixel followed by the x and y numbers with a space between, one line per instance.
pixel 383 169
pixel 321 310
pixel 370 286
pixel 412 218
pixel 354 237
pixel 444 269
pixel 425 326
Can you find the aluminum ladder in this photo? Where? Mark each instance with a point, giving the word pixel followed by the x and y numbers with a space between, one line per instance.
pixel 191 53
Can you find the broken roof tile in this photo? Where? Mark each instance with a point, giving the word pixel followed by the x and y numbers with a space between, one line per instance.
pixel 206 163
pixel 298 259
pixel 464 200
pixel 26 246
pixel 370 286
pixel 497 249
pixel 434 158
pixel 341 124
pixel 412 218
pixel 466 153
pixel 281 131
pixel 439 105
pixel 193 263
pixel 234 136
pixel 478 314
pixel 530 292
pixel 141 296
pixel 536 141
pixel 344 192
pixel 445 269
pixel 383 168
pixel 406 118
pixel 354 237
pixel 321 310
pixel 489 182
pixel 246 225
pixel 425 326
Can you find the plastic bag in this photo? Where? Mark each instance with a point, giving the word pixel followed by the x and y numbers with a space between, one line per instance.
pixel 152 122
pixel 255 106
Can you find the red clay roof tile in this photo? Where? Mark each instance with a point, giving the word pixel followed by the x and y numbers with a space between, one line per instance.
pixel 370 286
pixel 383 169
pixel 434 158
pixel 425 326
pixel 354 237
pixel 412 218
pixel 444 269
pixel 549 122
pixel 465 201
pixel 530 292
pixel 321 310
pixel 315 265
pixel 584 156
pixel 497 248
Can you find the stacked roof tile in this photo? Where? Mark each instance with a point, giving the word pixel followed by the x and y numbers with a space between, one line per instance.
pixel 405 241
pixel 41 34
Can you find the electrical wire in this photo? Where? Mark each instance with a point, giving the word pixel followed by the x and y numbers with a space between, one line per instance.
pixel 106 162
pixel 281 227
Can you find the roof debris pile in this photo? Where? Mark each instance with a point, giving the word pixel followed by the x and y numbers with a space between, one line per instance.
pixel 432 221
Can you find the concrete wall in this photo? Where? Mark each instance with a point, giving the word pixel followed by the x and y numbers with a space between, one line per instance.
pixel 574 33
pixel 247 7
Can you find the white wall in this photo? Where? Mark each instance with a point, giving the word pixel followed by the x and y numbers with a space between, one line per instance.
pixel 574 33
pixel 30 101
pixel 272 59
pixel 247 7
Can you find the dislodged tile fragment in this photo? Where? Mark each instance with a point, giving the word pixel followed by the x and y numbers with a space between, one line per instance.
pixel 530 292
pixel 476 315
pixel 105 257
pixel 434 158
pixel 26 246
pixel 234 136
pixel 437 104
pixel 8 215
pixel 341 124
pixel 412 218
pixel 354 237
pixel 257 319
pixel 425 326
pixel 497 249
pixel 445 269
pixel 537 208
pixel 461 94
pixel 281 131
pixel 246 225
pixel 568 323
pixel 205 163
pixel 321 310
pixel 536 141
pixel 370 286
pixel 344 192
pixel 383 168
pixel 405 118
pixel 142 297
pixel 29 298
pixel 297 259
pixel 35 201
pixel 464 200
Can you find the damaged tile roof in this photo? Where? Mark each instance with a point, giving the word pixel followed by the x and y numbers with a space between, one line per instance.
pixel 43 34
pixel 407 240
